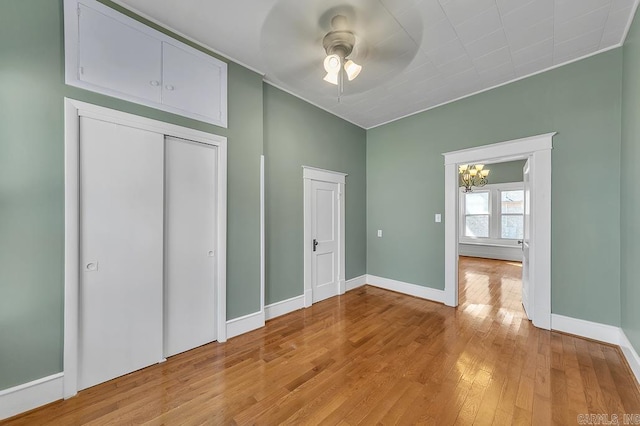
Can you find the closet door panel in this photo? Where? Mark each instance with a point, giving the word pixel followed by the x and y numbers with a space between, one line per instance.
pixel 190 244
pixel 121 261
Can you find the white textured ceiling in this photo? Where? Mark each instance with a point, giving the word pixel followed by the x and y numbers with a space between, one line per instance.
pixel 416 54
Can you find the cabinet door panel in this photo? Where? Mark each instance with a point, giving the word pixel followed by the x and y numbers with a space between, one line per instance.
pixel 191 82
pixel 116 56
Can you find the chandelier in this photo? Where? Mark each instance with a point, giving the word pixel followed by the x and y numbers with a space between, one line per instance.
pixel 473 175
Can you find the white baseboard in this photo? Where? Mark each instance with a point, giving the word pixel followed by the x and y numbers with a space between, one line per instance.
pixel 245 324
pixel 30 395
pixel 283 307
pixel 490 252
pixel 356 282
pixel 602 333
pixel 630 354
pixel 407 288
pixel 590 330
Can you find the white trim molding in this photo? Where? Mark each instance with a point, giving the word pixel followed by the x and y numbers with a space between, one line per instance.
pixel 28 396
pixel 630 354
pixel 310 174
pixel 263 261
pixel 245 324
pixel 590 330
pixel 284 307
pixel 73 111
pixel 315 173
pixel 602 333
pixel 536 149
pixel 420 291
pixel 356 282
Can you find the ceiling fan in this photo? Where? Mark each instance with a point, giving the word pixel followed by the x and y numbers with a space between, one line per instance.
pixel 308 44
pixel 338 44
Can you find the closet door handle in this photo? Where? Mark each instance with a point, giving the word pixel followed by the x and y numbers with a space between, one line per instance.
pixel 169 87
pixel 315 244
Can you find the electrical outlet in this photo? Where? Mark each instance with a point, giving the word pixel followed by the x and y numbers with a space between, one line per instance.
pixel 379 233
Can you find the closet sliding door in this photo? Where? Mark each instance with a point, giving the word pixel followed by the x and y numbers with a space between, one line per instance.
pixel 121 250
pixel 190 245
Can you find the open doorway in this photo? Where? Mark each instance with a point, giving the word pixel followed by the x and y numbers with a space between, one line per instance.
pixel 537 150
pixel 491 218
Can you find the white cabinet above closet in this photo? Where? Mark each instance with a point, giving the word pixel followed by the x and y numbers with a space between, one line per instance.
pixel 110 53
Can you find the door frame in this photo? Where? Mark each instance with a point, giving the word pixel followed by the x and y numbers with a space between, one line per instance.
pixel 310 174
pixel 537 149
pixel 75 109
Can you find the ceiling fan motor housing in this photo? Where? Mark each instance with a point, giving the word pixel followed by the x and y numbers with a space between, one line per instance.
pixel 339 43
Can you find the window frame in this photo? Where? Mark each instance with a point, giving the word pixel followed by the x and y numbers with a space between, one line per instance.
pixel 495 215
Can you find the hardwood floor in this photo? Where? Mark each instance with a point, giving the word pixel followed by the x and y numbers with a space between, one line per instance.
pixel 374 356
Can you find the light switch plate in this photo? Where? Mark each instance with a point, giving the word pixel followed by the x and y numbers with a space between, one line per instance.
pixel 438 217
pixel 379 233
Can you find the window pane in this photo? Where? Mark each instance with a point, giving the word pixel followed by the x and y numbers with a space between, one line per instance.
pixel 512 226
pixel 477 226
pixel 512 201
pixel 477 203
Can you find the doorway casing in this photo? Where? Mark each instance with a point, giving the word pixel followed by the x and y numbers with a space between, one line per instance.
pixel 537 149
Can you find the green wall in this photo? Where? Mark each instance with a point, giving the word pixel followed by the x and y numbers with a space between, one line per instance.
pixel 509 171
pixel 405 180
pixel 297 134
pixel 32 194
pixel 630 199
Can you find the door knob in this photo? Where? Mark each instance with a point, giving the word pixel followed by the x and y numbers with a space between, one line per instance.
pixel 169 87
pixel 315 244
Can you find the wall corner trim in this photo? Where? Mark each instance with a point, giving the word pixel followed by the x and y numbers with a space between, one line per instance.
pixel 602 333
pixel 633 359
pixel 356 282
pixel 422 292
pixel 245 324
pixel 28 396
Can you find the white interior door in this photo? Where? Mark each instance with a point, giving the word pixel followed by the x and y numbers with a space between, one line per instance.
pixel 190 245
pixel 325 219
pixel 121 228
pixel 526 282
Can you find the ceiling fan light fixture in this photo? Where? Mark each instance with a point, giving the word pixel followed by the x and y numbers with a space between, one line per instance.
pixel 352 69
pixel 331 78
pixel 332 64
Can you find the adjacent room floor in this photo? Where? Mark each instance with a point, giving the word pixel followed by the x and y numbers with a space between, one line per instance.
pixel 376 356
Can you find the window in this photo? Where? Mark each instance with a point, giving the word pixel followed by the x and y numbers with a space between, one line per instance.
pixel 511 214
pixel 476 214
pixel 493 214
